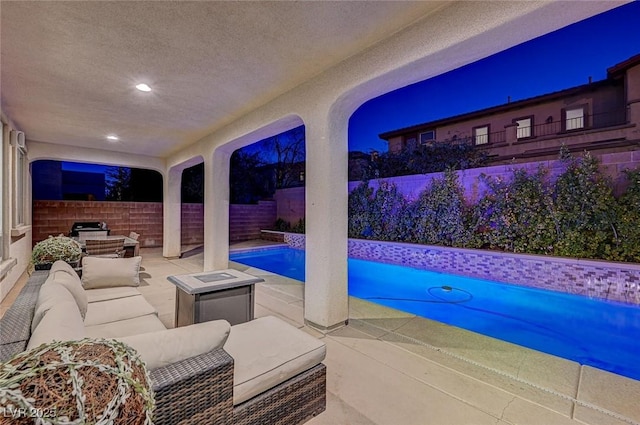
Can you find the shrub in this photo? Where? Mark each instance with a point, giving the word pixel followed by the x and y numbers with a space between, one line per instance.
pixel 439 214
pixel 359 206
pixel 628 219
pixel 432 158
pixel 517 215
pixel 55 248
pixel 387 213
pixel 577 216
pixel 282 225
pixel 584 210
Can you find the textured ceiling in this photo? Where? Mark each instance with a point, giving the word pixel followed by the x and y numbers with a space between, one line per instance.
pixel 68 69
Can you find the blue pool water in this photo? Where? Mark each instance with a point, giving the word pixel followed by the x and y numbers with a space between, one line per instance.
pixel 598 333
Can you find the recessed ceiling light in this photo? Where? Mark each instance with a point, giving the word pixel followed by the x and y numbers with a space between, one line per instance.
pixel 113 137
pixel 143 87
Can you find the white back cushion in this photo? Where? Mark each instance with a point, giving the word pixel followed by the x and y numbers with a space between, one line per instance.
pixel 71 282
pixel 60 322
pixel 162 348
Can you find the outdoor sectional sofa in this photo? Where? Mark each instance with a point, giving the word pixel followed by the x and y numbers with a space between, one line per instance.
pixel 260 372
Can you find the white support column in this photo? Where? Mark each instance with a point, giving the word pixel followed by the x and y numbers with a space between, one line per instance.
pixel 326 303
pixel 216 210
pixel 172 214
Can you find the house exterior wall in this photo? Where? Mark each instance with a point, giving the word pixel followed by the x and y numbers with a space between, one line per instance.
pixel 611 123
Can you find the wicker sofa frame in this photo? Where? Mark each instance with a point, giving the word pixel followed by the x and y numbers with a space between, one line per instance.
pixel 198 390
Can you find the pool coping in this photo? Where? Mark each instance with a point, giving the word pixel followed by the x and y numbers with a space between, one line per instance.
pixel 583 393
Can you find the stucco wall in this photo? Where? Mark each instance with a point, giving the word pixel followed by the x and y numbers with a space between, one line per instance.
pixel 21 252
pixel 290 204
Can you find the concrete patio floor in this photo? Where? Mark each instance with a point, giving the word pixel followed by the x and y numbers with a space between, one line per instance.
pixel 390 367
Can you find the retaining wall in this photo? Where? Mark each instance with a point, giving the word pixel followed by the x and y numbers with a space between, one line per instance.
pixel 591 278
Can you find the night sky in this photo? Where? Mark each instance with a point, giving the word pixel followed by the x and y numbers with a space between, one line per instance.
pixel 556 61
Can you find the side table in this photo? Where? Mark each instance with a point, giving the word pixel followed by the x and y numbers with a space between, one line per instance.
pixel 212 295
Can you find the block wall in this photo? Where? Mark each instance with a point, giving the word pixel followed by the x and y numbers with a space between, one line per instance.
pixel 192 231
pixel 246 221
pixel 55 217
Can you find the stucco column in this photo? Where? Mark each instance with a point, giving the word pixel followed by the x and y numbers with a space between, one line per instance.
pixel 325 298
pixel 172 214
pixel 216 210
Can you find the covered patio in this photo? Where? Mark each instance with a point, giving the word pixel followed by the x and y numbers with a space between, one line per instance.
pixel 218 87
pixel 226 74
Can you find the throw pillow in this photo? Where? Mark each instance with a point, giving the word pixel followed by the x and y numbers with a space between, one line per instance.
pixel 110 272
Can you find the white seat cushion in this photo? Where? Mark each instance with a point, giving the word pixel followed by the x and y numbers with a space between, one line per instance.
pixel 127 327
pixel 117 310
pixel 169 346
pixel 268 351
pixel 105 294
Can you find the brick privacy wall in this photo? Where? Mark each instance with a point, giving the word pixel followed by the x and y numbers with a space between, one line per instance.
pixel 55 217
pixel 246 221
pixel 145 218
pixel 192 231
pixel 590 278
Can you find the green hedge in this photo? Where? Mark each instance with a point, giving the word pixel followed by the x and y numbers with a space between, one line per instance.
pixel 574 216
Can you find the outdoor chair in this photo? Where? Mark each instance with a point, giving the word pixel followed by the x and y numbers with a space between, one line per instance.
pixel 134 236
pixel 108 248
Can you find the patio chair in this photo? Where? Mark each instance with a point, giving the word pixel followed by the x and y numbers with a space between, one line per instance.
pixel 134 236
pixel 107 248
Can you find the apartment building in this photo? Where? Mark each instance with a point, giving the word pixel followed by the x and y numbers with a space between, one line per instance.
pixel 601 117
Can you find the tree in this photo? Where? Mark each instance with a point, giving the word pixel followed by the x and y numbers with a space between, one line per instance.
pixel 249 178
pixel 118 184
pixel 289 151
pixel 193 184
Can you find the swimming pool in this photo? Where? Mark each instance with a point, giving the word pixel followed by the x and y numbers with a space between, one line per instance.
pixel 598 333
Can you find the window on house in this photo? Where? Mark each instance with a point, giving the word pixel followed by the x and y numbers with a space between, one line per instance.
pixel 481 135
pixel 19 175
pixel 2 165
pixel 427 137
pixel 574 118
pixel 525 127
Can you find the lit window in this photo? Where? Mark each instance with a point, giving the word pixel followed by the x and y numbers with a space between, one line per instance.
pixel 524 127
pixel 481 135
pixel 427 137
pixel 574 118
